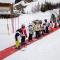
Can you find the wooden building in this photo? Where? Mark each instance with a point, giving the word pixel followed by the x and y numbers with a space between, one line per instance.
pixel 6 11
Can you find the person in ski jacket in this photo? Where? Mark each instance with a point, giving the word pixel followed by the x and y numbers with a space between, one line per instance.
pixel 30 28
pixel 53 18
pixel 43 29
pixel 51 26
pixel 55 25
pixel 37 30
pixel 23 34
pixel 17 35
pixel 47 26
pixel 59 22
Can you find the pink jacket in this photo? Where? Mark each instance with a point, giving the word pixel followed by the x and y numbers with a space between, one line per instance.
pixel 23 31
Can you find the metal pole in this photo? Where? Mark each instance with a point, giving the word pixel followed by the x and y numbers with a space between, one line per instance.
pixel 12 21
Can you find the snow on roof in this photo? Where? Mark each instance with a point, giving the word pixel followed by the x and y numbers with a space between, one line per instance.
pixel 52 1
pixel 22 3
pixel 7 1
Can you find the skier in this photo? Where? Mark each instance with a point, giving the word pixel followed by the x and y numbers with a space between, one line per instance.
pixel 17 35
pixel 41 26
pixel 59 22
pixel 53 18
pixel 30 27
pixel 55 25
pixel 47 26
pixel 37 29
pixel 33 24
pixel 51 26
pixel 43 29
pixel 23 34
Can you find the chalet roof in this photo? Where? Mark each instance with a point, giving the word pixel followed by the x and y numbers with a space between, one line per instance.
pixel 8 15
pixel 12 15
pixel 5 4
pixel 6 1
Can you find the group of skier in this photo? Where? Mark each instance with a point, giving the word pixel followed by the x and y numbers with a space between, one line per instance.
pixel 37 27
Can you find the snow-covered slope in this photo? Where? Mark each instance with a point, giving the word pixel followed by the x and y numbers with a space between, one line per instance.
pixel 47 48
pixel 33 5
pixel 8 40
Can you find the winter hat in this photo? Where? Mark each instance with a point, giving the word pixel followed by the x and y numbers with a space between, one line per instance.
pixel 23 26
pixel 44 24
pixel 45 20
pixel 50 21
pixel 40 21
pixel 30 23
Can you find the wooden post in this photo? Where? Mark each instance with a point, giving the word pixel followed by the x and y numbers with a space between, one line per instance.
pixel 7 27
pixel 12 21
pixel 18 22
pixel 15 24
pixel 59 11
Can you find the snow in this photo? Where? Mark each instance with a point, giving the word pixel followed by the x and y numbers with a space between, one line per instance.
pixel 6 41
pixel 47 48
pixel 32 5
pixel 7 1
pixel 44 49
pixel 6 36
pixel 52 1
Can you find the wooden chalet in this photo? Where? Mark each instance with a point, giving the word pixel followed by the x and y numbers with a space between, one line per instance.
pixel 6 10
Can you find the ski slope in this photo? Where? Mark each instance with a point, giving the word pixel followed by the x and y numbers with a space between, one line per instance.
pixel 7 37
pixel 47 48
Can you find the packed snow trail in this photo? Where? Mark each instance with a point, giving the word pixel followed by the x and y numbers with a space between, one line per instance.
pixel 10 50
pixel 48 48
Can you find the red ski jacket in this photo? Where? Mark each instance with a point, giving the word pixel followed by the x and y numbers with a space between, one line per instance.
pixel 23 31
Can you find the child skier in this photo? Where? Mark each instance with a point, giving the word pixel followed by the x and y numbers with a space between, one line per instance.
pixel 23 34
pixel 37 29
pixel 43 29
pixel 55 25
pixel 59 22
pixel 51 26
pixel 47 25
pixel 30 27
pixel 17 39
pixel 41 26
